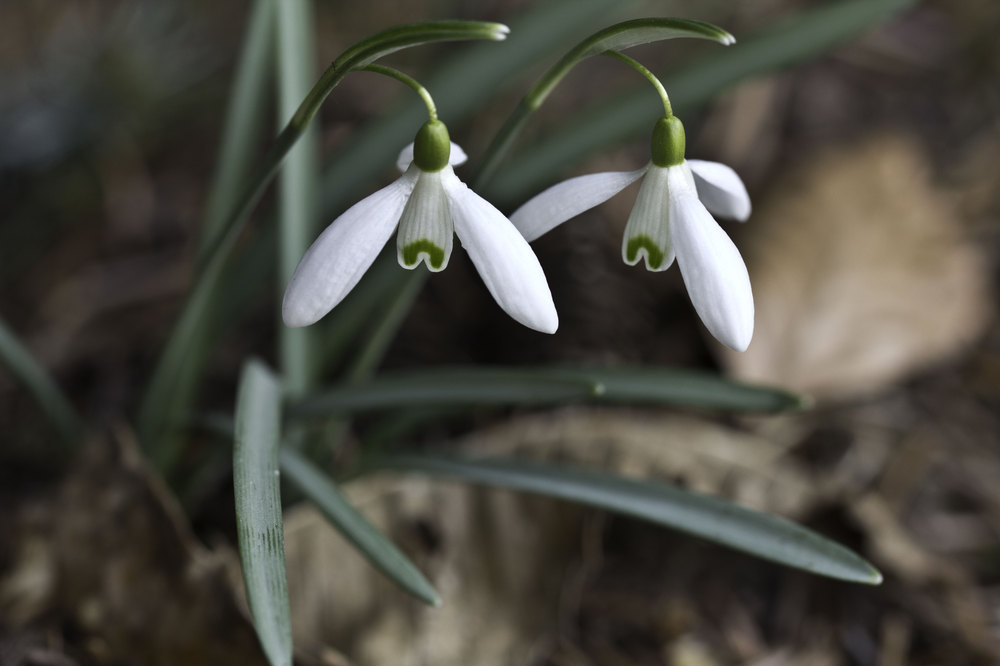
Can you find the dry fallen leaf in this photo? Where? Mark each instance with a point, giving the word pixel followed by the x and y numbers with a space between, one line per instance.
pixel 861 273
pixel 507 566
pixel 111 555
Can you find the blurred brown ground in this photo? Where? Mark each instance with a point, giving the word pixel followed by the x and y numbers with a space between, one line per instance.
pixel 872 249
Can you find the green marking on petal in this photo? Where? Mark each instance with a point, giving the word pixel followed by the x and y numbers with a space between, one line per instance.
pixel 434 254
pixel 654 255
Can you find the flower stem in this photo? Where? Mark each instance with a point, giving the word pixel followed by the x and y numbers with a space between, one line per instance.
pixel 649 76
pixel 411 82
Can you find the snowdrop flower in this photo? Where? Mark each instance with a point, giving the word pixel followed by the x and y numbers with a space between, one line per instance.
pixel 429 205
pixel 670 219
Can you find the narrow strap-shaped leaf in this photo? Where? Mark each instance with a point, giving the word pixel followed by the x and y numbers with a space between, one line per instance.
pixel 33 376
pixel 543 386
pixel 628 115
pixel 403 36
pixel 258 509
pixel 244 118
pixel 370 542
pixel 710 518
pixel 298 180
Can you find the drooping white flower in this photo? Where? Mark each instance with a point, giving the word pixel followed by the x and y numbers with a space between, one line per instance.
pixel 670 219
pixel 429 205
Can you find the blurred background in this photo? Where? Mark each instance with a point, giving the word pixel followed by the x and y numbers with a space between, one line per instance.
pixel 872 251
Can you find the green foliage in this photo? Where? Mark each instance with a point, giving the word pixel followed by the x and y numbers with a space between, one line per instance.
pixel 710 518
pixel 258 508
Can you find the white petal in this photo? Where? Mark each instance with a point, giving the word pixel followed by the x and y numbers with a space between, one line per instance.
pixel 721 190
pixel 647 234
pixel 405 158
pixel 713 271
pixel 335 262
pixel 426 232
pixel 503 258
pixel 568 199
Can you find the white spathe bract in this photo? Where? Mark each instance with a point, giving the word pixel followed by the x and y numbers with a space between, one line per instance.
pixel 670 219
pixel 428 208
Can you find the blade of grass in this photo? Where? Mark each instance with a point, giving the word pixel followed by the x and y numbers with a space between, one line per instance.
pixel 243 123
pixel 630 115
pixel 298 178
pixel 33 376
pixel 710 518
pixel 258 509
pixel 477 386
pixel 368 539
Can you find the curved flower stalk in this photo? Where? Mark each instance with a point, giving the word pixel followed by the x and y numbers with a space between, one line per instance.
pixel 429 205
pixel 670 219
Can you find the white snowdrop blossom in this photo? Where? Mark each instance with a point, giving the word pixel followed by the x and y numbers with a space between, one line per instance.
pixel 670 219
pixel 429 205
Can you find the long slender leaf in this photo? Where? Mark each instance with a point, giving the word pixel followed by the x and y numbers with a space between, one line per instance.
pixel 33 376
pixel 258 509
pixel 298 178
pixel 710 518
pixel 368 539
pixel 243 122
pixel 632 114
pixel 541 386
pixel 174 385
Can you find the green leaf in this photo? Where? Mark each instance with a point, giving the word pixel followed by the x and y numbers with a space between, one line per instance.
pixel 244 120
pixel 258 509
pixel 404 36
pixel 370 542
pixel 542 386
pixel 632 114
pixel 298 179
pixel 710 518
pixel 33 376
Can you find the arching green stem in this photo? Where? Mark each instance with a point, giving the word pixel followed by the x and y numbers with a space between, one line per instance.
pixel 616 37
pixel 410 81
pixel 649 76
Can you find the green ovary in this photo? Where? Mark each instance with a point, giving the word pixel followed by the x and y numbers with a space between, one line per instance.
pixel 435 254
pixel 654 255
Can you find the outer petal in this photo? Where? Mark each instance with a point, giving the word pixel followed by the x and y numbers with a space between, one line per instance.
pixel 503 258
pixel 713 271
pixel 721 190
pixel 568 199
pixel 405 158
pixel 647 234
pixel 343 252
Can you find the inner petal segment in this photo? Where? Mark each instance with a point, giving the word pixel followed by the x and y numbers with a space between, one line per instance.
pixel 426 231
pixel 647 234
